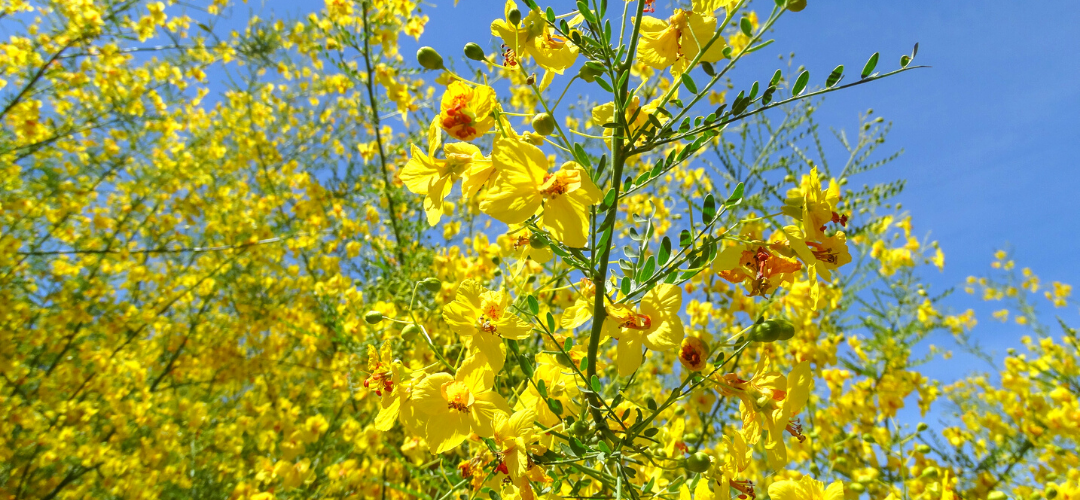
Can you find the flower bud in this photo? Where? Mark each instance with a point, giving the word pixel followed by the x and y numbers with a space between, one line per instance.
pixel 922 448
pixel 922 427
pixel 431 284
pixel 930 472
pixel 538 241
pixel 410 331
pixel 543 124
pixel 1051 492
pixel 997 495
pixel 429 58
pixel 474 52
pixel 698 462
pixel 772 330
pixel 373 317
pixel 589 73
pixel 514 16
pixel 856 487
pixel 796 5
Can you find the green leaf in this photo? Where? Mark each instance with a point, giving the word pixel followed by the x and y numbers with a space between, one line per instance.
pixel 708 67
pixel 727 52
pixel 753 91
pixel 583 364
pixel 651 404
pixel 665 251
pixel 689 83
pixel 904 61
pixel 534 306
pixel 746 26
pixel 625 286
pixel 568 344
pixel 647 270
pixel 708 208
pixel 526 365
pixel 775 78
pixel 531 4
pixel 604 447
pixel 550 322
pixel 604 84
pixel 870 65
pixel 550 15
pixel 581 156
pixel 736 196
pixel 800 83
pixel 541 387
pixel 685 238
pixel 577 447
pixel 555 405
pixel 651 431
pixel 595 383
pixel 835 76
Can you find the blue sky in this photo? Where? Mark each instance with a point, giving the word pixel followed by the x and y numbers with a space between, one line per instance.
pixel 986 131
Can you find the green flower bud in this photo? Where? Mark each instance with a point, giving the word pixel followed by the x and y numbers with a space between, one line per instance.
pixel 429 58
pixel 921 427
pixel 922 448
pixel 537 241
pixel 796 5
pixel 514 16
pixel 373 317
pixel 856 487
pixel 579 428
pixel 997 495
pixel 410 331
pixel 771 331
pixel 698 462
pixel 474 52
pixel 543 124
pixel 431 284
pixel 589 73
pixel 930 472
pixel 1051 492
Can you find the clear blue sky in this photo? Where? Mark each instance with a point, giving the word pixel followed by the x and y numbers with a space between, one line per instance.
pixel 988 131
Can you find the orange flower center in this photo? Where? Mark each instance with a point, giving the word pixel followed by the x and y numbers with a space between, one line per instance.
pixel 458 396
pixel 458 119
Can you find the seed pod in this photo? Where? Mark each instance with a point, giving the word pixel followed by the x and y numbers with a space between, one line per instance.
pixel 474 52
pixel 698 462
pixel 373 317
pixel 796 5
pixel 543 124
pixel 429 58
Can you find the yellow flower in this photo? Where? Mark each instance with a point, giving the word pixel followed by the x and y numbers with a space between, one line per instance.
pixel 673 43
pixel 657 326
pixel 466 112
pixel 693 354
pixel 605 113
pixel 813 207
pixel 533 36
pixel 806 488
pixel 522 186
pixel 582 309
pixel 424 174
pixel 758 267
pixel 482 315
pixel 513 434
pixel 456 406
